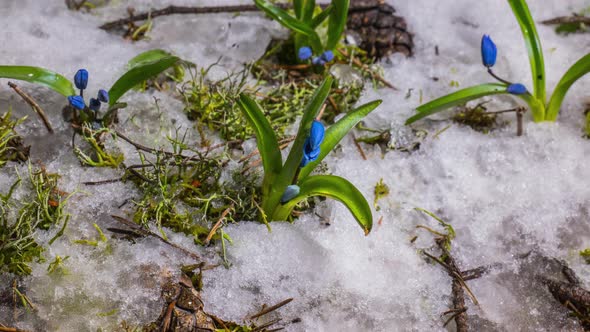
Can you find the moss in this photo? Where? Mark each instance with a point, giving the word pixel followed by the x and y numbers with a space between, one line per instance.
pixel 476 118
pixel 20 219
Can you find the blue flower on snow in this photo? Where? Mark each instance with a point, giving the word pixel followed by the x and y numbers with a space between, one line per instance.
pixel 77 102
pixel 516 89
pixel 304 53
pixel 489 51
pixel 81 79
pixel 311 147
pixel 291 192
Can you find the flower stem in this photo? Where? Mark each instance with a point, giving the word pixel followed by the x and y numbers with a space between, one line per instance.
pixel 497 77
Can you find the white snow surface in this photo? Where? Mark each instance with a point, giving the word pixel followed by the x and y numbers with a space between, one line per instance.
pixel 505 196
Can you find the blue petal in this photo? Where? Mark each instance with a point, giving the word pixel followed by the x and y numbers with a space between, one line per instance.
pixel 94 104
pixel 81 79
pixel 304 53
pixel 314 154
pixel 317 61
pixel 103 96
pixel 316 134
pixel 488 51
pixel 304 160
pixel 291 192
pixel 516 89
pixel 328 56
pixel 77 102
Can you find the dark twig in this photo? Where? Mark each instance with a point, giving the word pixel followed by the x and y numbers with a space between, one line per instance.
pixel 29 100
pixel 519 127
pixel 10 329
pixel 172 10
pixel 146 232
pixel 271 308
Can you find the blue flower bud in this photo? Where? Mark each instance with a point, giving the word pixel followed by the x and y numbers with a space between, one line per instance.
pixel 304 53
pixel 488 51
pixel 516 89
pixel 94 104
pixel 328 56
pixel 291 192
pixel 77 102
pixel 81 79
pixel 317 61
pixel 103 96
pixel 316 134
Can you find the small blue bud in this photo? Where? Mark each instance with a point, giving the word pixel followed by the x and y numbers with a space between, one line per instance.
pixel 317 61
pixel 316 134
pixel 304 53
pixel 488 51
pixel 328 56
pixel 291 192
pixel 103 96
pixel 81 79
pixel 516 89
pixel 77 102
pixel 94 104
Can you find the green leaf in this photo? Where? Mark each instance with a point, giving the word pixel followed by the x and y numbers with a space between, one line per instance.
pixel 457 98
pixel 579 69
pixel 296 154
pixel 337 22
pixel 139 73
pixel 321 17
pixel 266 139
pixel 336 132
pixel 336 188
pixel 38 75
pixel 533 45
pixel 304 10
pixel 290 23
pixel 148 56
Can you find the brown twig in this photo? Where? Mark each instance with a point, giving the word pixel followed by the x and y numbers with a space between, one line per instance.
pixel 29 100
pixel 218 223
pixel 11 329
pixel 271 308
pixel 359 147
pixel 146 232
pixel 173 10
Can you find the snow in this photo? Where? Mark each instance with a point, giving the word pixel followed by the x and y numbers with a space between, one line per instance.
pixel 504 195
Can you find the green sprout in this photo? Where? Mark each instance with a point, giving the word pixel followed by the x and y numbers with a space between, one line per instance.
pixel 304 24
pixel 278 176
pixel 541 109
pixel 146 65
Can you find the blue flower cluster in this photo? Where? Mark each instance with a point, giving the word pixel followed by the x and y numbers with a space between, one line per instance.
pixel 489 52
pixel 306 53
pixel 81 82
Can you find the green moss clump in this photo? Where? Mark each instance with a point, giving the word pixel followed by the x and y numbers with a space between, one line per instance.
pixel 12 147
pixel 476 118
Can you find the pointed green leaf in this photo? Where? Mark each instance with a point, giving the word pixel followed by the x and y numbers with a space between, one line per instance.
pixel 533 45
pixel 579 69
pixel 336 188
pixel 336 132
pixel 304 10
pixel 290 23
pixel 457 98
pixel 321 17
pixel 266 139
pixel 337 22
pixel 147 57
pixel 38 75
pixel 138 74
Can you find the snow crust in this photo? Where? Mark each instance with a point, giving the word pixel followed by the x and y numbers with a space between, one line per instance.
pixel 505 196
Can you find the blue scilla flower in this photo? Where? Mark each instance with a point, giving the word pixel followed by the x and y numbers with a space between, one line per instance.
pixel 488 51
pixel 328 56
pixel 103 96
pixel 318 61
pixel 81 79
pixel 291 192
pixel 304 53
pixel 77 102
pixel 516 89
pixel 311 147
pixel 94 104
